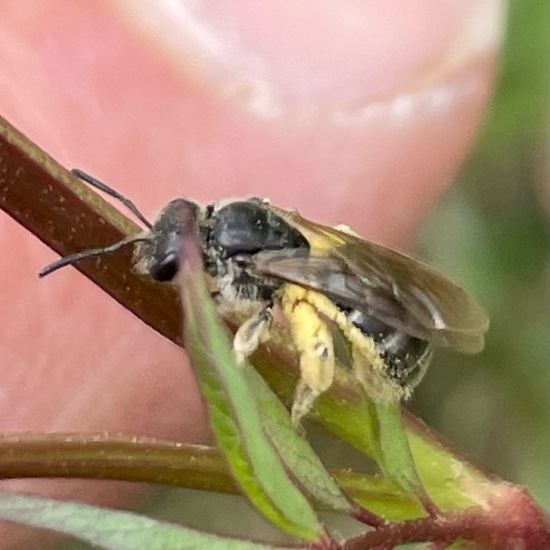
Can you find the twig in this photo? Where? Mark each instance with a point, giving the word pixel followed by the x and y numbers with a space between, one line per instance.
pixel 69 217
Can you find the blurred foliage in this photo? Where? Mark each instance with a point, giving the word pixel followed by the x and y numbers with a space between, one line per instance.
pixel 495 242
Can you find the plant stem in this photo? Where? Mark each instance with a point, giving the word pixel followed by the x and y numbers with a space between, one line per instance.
pixel 117 457
pixel 69 217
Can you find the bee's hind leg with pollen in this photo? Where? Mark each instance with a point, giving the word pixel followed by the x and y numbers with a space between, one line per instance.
pixel 252 333
pixel 309 328
pixel 313 342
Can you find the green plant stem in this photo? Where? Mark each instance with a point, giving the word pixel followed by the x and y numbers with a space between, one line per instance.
pixel 148 460
pixel 116 457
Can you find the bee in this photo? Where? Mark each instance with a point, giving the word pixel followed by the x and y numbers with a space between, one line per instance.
pixel 327 283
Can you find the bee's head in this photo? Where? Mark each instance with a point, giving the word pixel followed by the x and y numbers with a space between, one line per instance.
pixel 159 254
pixel 157 250
pixel 236 228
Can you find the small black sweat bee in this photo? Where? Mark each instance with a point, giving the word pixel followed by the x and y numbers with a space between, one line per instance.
pixel 390 309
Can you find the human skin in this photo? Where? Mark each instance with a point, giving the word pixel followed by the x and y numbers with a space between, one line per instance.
pixel 359 113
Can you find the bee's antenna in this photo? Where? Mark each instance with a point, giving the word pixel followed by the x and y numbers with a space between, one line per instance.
pixel 90 180
pixel 73 258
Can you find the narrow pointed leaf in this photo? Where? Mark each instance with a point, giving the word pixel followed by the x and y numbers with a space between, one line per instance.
pixel 294 450
pixel 396 459
pixel 111 529
pixel 233 410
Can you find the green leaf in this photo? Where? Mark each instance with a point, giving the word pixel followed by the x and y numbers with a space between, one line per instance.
pixel 380 495
pixel 111 529
pixel 296 453
pixel 234 413
pixel 346 412
pixel 396 458
pixel 448 478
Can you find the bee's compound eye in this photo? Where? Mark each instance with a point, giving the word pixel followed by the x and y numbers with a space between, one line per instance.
pixel 165 269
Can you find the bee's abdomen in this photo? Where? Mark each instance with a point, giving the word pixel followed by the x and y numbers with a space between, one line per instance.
pixel 406 357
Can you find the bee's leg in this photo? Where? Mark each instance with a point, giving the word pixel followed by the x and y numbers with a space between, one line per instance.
pixel 313 342
pixel 251 334
pixel 369 367
pixel 304 399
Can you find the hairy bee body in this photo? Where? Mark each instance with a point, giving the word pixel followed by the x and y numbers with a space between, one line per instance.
pixel 231 236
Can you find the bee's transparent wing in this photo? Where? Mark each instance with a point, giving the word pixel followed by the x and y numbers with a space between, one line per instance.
pixel 398 290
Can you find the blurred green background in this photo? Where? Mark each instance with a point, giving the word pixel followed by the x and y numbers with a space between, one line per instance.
pixel 495 406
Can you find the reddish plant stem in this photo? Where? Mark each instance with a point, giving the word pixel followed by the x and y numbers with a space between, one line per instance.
pixel 368 518
pixel 489 529
pixel 69 217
